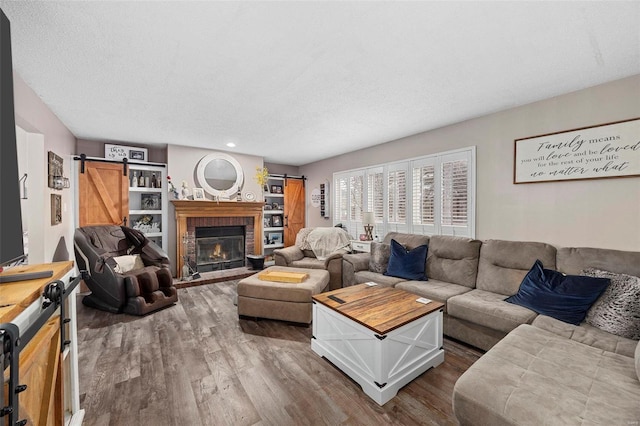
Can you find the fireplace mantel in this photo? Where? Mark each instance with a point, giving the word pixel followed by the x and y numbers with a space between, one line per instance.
pixel 194 209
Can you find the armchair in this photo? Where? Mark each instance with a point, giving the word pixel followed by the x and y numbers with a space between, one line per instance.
pixel 142 287
pixel 333 243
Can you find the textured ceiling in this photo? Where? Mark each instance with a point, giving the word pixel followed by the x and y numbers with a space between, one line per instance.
pixel 296 82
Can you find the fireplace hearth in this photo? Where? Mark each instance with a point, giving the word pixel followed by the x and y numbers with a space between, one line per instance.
pixel 219 247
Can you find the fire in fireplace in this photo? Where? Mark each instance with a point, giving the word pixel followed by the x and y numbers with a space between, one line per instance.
pixel 219 247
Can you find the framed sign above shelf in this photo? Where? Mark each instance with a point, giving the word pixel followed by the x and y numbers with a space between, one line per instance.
pixel 595 152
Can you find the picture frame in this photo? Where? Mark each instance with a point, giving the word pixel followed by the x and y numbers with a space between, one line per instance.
pixel 265 188
pixel 275 237
pixel 56 209
pixel 198 194
pixel 150 202
pixel 276 189
pixel 266 222
pixel 595 152
pixel 276 220
pixel 119 152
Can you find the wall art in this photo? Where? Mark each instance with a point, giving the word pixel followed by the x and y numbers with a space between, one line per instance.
pixel 595 152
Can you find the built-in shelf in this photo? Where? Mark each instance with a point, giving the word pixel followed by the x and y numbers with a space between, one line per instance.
pixel 273 211
pixel 273 246
pixel 272 228
pixel 143 189
pixel 145 211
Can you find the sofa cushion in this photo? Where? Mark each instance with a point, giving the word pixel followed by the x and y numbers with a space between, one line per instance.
pixel 618 309
pixel 408 264
pixel 453 259
pixel 410 241
pixel 564 297
pixel 379 258
pixel 572 260
pixel 433 289
pixel 503 264
pixel 533 377
pixel 587 334
pixel 308 262
pixel 489 309
pixel 382 280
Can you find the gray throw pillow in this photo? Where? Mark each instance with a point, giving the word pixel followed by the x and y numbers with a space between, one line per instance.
pixel 380 253
pixel 617 310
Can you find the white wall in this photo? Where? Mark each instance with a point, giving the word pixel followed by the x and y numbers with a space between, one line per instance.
pixel 597 213
pixel 35 117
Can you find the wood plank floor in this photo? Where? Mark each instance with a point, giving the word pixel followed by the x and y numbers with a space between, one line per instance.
pixel 196 363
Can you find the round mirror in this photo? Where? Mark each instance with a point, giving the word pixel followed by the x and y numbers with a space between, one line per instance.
pixel 219 175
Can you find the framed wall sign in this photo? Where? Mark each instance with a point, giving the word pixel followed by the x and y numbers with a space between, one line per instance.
pixel 595 152
pixel 118 152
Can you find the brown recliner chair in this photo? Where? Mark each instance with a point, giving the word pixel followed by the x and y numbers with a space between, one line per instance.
pixel 138 291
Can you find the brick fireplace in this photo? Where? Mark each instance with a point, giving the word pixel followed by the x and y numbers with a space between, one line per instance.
pixel 195 214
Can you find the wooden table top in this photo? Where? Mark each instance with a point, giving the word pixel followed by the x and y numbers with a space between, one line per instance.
pixel 381 309
pixel 16 296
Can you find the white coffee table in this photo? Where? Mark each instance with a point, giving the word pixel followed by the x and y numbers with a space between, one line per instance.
pixel 380 337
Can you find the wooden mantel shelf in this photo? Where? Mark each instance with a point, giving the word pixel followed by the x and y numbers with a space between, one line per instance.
pixel 191 208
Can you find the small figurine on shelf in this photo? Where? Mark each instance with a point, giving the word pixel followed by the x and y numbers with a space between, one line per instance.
pixel 172 189
pixel 134 180
pixel 184 193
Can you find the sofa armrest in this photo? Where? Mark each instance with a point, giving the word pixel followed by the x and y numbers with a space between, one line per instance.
pixel 359 261
pixel 335 255
pixel 352 263
pixel 286 256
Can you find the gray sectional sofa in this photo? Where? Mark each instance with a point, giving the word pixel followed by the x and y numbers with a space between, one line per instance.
pixel 538 370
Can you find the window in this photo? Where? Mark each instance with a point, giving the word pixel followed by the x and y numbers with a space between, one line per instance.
pixel 427 195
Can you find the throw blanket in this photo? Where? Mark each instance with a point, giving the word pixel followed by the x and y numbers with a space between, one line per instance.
pixel 324 241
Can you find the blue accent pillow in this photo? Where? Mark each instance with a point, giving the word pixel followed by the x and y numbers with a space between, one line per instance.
pixel 407 264
pixel 564 297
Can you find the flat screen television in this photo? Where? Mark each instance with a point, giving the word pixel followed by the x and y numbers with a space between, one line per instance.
pixel 11 242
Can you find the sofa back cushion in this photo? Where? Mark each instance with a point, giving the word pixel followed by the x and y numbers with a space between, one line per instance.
pixel 453 259
pixel 379 258
pixel 503 264
pixel 409 241
pixel 572 260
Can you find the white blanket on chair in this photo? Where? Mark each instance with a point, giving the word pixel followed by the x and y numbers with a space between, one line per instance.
pixel 324 241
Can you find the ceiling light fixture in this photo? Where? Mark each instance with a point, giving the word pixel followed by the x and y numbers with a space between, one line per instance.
pixel 231 145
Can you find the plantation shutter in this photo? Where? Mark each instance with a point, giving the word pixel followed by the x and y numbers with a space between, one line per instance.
pixel 397 197
pixel 375 198
pixel 356 185
pixel 341 199
pixel 455 194
pixel 423 196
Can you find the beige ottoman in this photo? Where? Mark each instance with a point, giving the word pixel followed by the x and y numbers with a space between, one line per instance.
pixel 281 301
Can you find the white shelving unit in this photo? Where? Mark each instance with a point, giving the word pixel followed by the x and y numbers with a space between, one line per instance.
pixel 273 219
pixel 148 206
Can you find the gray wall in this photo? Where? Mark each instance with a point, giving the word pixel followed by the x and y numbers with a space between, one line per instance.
pixel 598 213
pixel 36 118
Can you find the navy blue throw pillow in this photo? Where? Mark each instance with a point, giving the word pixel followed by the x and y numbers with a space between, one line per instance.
pixel 564 297
pixel 407 264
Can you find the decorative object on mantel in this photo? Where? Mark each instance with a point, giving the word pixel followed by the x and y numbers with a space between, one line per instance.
pixel 262 174
pixel 172 189
pixel 594 152
pixel 118 152
pixel 220 175
pixel 184 192
pixel 198 194
pixel 249 196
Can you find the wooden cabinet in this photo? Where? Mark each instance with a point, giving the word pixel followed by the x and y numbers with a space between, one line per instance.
pixel 52 396
pixel 148 202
